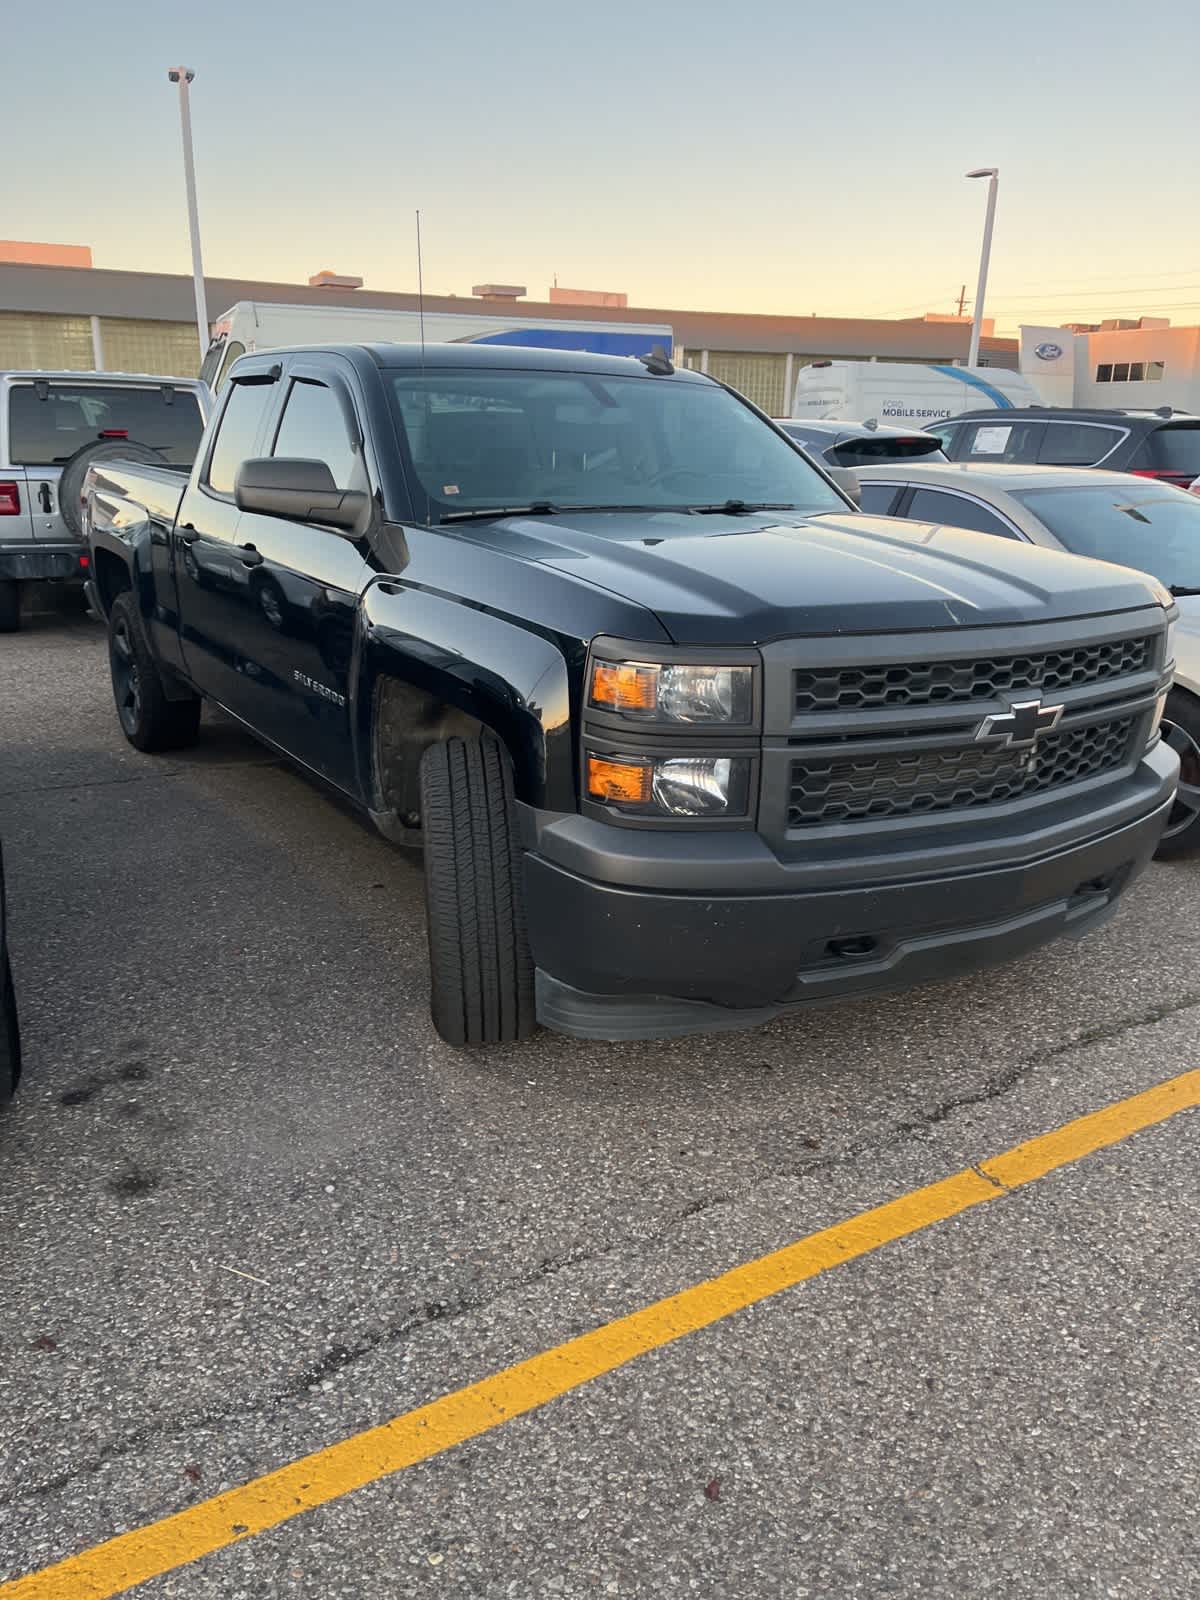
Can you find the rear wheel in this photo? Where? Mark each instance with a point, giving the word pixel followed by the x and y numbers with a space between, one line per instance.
pixel 148 719
pixel 1181 730
pixel 10 607
pixel 480 967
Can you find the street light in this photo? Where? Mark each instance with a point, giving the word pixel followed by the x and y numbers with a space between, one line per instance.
pixel 183 76
pixel 992 174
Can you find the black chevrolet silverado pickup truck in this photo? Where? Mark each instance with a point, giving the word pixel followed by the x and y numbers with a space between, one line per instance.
pixel 687 741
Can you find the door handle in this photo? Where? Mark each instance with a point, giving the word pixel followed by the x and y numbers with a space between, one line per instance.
pixel 188 534
pixel 44 499
pixel 249 556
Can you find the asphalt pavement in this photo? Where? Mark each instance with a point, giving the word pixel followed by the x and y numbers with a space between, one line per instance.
pixel 250 1205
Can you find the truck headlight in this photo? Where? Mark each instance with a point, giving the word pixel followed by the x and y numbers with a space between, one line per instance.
pixel 673 692
pixel 1172 630
pixel 670 786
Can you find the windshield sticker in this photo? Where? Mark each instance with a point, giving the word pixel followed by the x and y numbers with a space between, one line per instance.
pixel 450 488
pixel 990 441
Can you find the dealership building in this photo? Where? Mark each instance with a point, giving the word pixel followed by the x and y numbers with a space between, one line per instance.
pixel 58 311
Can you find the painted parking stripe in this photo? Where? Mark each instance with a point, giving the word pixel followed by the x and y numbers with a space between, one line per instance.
pixel 131 1558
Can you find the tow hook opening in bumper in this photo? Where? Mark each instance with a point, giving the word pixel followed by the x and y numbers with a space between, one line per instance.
pixel 853 949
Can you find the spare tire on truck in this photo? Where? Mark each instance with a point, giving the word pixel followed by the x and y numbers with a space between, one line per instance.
pixel 70 485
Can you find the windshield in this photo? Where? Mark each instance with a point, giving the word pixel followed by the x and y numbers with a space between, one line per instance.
pixel 48 422
pixel 482 440
pixel 1149 526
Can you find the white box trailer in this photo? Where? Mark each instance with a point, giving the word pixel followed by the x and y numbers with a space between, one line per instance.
pixel 903 393
pixel 257 325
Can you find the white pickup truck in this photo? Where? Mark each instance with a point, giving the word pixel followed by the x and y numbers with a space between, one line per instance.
pixel 53 426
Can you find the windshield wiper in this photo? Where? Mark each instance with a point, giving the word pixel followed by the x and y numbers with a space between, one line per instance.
pixel 734 508
pixel 1183 588
pixel 537 508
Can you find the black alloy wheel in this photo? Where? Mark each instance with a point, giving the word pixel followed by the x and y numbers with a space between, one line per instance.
pixel 126 677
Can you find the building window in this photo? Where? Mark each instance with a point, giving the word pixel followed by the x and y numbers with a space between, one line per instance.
pixel 1134 372
pixel 138 344
pixel 36 341
pixel 758 376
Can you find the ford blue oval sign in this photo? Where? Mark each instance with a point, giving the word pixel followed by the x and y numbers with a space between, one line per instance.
pixel 1048 352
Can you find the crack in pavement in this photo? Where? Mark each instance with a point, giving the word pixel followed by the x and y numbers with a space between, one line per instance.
pixel 340 1356
pixel 150 776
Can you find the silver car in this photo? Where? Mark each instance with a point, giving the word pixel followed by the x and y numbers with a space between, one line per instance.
pixel 1111 516
pixel 53 426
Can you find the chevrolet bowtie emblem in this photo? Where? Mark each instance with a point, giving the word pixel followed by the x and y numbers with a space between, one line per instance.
pixel 1021 725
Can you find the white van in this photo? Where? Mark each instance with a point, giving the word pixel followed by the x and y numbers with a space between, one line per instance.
pixel 905 393
pixel 257 325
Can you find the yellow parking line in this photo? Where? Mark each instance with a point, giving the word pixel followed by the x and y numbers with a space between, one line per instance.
pixel 131 1558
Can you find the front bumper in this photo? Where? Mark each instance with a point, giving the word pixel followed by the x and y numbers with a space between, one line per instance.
pixel 618 961
pixel 31 562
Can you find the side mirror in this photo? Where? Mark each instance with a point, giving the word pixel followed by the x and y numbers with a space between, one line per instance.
pixel 302 491
pixel 847 482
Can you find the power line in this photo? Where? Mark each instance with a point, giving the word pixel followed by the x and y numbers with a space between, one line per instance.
pixel 1179 272
pixel 1098 296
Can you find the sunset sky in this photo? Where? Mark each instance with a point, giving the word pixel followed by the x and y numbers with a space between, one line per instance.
pixel 758 157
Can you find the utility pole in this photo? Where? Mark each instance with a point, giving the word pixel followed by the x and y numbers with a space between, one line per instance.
pixel 962 299
pixel 183 76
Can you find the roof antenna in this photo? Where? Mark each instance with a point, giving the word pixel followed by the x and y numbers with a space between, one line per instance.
pixel 658 362
pixel 421 316
pixel 420 291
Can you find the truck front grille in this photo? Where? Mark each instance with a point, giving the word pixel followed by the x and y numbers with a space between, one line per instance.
pixel 856 788
pixel 930 683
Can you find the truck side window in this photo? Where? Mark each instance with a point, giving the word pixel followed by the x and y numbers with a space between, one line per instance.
pixel 237 434
pixel 313 428
pixel 956 511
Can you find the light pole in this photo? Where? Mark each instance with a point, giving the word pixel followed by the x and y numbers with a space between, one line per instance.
pixel 992 174
pixel 183 76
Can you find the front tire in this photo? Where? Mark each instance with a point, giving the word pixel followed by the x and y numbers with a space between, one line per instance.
pixel 148 719
pixel 480 967
pixel 1181 730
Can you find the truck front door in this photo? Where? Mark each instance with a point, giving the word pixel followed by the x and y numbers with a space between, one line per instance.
pixel 303 590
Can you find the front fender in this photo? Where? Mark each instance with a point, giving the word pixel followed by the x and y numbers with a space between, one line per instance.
pixel 513 680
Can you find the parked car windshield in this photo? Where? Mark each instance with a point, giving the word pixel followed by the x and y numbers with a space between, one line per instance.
pixel 486 439
pixel 1149 526
pixel 48 422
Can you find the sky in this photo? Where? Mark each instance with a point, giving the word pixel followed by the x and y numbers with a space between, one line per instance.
pixel 798 157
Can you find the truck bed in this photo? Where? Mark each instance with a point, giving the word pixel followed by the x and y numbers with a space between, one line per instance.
pixel 157 490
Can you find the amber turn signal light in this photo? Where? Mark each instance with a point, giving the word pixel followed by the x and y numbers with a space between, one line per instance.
pixel 624 686
pixel 624 781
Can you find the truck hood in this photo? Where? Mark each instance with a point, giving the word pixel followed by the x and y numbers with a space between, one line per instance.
pixel 760 576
